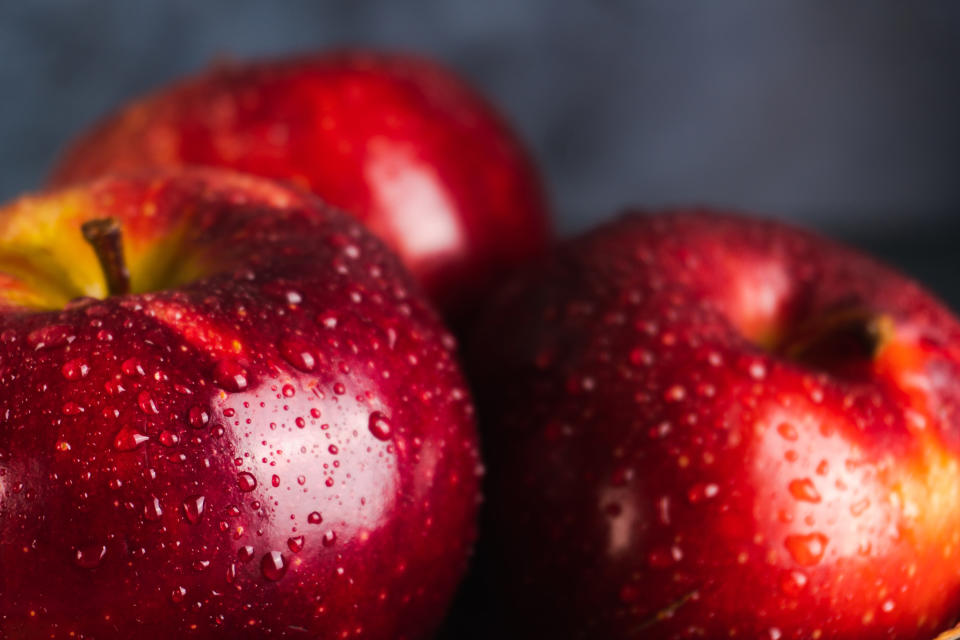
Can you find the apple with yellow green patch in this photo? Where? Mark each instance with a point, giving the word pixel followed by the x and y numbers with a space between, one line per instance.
pixel 226 412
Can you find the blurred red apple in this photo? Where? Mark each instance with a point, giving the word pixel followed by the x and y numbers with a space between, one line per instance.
pixel 258 430
pixel 399 141
pixel 709 426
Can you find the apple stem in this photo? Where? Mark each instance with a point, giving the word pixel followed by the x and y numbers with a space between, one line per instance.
pixel 104 235
pixel 843 335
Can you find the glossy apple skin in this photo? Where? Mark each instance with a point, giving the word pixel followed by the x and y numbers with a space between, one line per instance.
pixel 399 141
pixel 659 469
pixel 296 383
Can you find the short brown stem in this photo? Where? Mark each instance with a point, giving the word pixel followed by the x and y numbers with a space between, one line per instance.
pixel 105 237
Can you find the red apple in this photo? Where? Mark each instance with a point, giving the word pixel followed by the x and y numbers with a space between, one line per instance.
pixel 709 426
pixel 397 140
pixel 268 436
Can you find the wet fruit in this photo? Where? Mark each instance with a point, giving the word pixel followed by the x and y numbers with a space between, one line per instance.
pixel 399 141
pixel 708 426
pixel 194 458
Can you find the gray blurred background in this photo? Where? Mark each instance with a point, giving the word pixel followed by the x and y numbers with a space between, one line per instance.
pixel 844 116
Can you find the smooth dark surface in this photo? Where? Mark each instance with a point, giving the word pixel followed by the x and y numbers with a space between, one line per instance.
pixel 838 115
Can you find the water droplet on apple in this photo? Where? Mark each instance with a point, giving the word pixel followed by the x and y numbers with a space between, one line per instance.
pixel 152 510
pixel 702 491
pixel 132 367
pixel 676 393
pixel 201 565
pixel 661 430
pixel 146 403
pixel 75 369
pixel 804 490
pixel 314 517
pixel 230 376
pixel 301 480
pixel 114 387
pixel 193 508
pixel 295 543
pixel 90 556
pixel 621 476
pixel 50 336
pixel 72 409
pixel 246 481
pixel 298 354
pixel 168 438
pixel 380 426
pixel 793 583
pixel 663 510
pixel 62 446
pixel 128 439
pixel 178 594
pixel 275 480
pixel 273 565
pixel 245 553
pixel 288 391
pixel 329 538
pixel 787 431
pixel 198 417
pixel 808 549
pixel 339 389
pixel 641 357
pixel 327 320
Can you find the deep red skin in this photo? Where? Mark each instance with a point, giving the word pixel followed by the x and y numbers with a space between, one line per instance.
pixel 349 126
pixel 601 516
pixel 414 495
